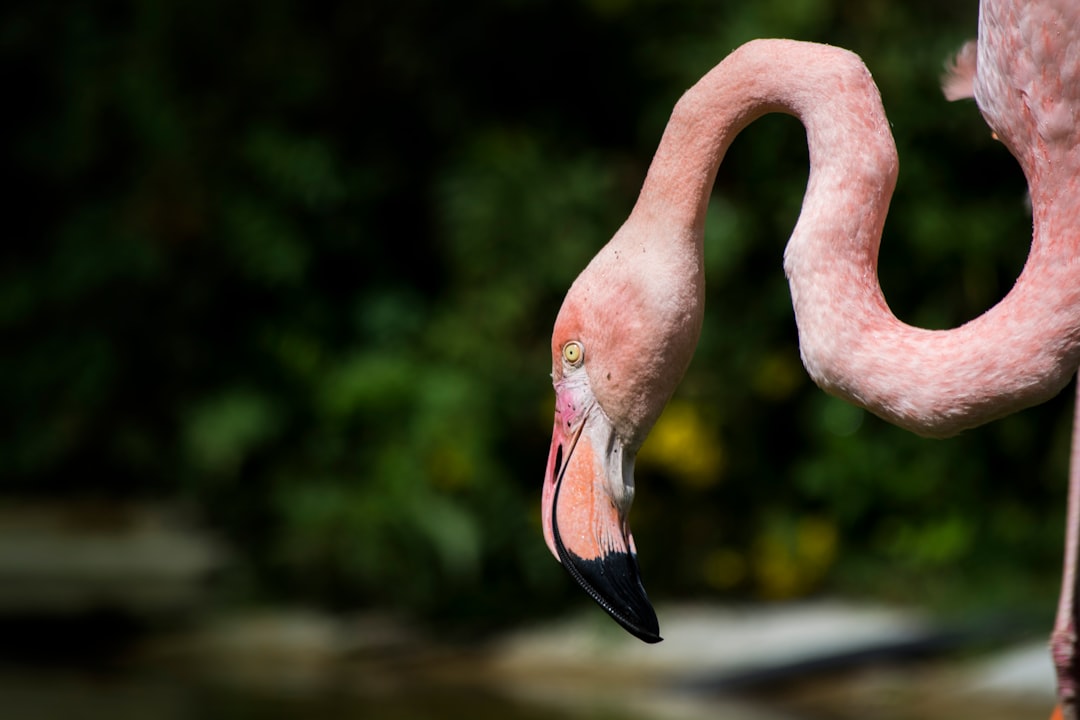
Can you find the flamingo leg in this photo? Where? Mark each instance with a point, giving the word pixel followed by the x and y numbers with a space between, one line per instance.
pixel 1063 646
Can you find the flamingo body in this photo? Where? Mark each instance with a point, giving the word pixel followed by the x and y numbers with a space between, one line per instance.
pixel 628 327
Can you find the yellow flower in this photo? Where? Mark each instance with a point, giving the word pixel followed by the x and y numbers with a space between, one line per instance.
pixel 683 444
pixel 791 561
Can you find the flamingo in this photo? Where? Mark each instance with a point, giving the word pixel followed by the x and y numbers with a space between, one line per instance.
pixel 629 323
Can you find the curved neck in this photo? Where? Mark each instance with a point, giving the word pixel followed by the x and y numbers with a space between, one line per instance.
pixel 827 88
pixel 932 382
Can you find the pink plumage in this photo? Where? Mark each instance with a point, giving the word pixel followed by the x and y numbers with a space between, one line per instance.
pixel 630 322
pixel 959 80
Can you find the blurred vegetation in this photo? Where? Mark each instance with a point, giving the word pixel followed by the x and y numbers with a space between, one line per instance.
pixel 297 265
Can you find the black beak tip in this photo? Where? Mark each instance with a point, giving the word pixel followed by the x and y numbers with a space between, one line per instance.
pixel 614 582
pixel 645 628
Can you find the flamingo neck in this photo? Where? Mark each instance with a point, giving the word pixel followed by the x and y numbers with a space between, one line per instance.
pixel 933 382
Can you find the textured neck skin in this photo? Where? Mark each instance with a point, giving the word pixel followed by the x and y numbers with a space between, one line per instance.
pixel 1027 83
pixel 933 382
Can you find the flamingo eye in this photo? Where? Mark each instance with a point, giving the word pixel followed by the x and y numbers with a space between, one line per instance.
pixel 572 353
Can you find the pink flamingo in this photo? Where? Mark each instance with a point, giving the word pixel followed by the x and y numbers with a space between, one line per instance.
pixel 629 324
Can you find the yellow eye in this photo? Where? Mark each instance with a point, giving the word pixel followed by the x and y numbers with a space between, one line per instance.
pixel 572 352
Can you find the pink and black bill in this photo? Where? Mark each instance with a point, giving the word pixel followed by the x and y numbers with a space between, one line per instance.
pixel 586 529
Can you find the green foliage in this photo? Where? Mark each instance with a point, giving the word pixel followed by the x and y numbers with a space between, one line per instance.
pixel 299 266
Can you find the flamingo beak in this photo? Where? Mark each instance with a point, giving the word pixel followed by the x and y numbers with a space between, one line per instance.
pixel 588 488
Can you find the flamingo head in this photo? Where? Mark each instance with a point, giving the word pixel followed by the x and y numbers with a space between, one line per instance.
pixel 621 343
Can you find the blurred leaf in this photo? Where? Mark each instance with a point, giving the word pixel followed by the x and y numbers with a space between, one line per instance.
pixel 300 169
pixel 264 244
pixel 222 431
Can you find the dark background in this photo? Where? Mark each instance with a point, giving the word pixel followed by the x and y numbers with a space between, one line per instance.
pixel 293 268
